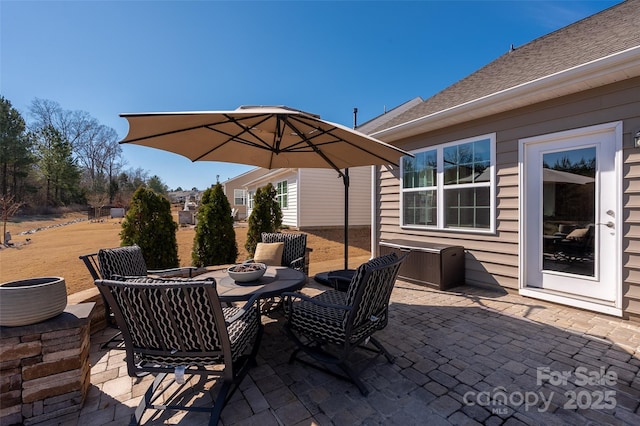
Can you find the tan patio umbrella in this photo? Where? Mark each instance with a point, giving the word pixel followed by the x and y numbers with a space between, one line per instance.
pixel 268 137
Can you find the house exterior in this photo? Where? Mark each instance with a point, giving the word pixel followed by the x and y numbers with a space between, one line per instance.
pixel 236 192
pixel 314 198
pixel 532 164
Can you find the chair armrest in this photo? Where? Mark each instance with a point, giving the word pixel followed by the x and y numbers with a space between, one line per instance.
pixel 173 271
pixel 244 309
pixel 301 296
pixel 339 282
pixel 297 264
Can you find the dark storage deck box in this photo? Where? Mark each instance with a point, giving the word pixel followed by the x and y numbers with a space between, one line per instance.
pixel 436 265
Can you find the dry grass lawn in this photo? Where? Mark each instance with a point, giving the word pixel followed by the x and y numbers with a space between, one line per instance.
pixel 54 251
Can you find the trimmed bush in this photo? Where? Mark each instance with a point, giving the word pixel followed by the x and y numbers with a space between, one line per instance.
pixel 215 239
pixel 266 216
pixel 149 224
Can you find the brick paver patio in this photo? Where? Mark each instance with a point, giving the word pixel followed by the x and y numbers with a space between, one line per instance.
pixel 468 356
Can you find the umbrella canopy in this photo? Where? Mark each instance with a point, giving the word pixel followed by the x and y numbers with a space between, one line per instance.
pixel 268 137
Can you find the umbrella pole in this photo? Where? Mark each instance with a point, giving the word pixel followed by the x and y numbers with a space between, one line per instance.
pixel 345 179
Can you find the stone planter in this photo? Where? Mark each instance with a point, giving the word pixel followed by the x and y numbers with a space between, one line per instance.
pixel 32 300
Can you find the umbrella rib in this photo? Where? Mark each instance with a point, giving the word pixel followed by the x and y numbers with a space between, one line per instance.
pixel 338 139
pixel 172 132
pixel 313 146
pixel 237 137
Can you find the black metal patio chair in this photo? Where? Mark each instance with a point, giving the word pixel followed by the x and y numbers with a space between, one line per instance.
pixel 181 328
pixel 295 253
pixel 331 326
pixel 128 261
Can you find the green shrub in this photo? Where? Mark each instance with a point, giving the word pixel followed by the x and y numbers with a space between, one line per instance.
pixel 149 224
pixel 215 239
pixel 266 216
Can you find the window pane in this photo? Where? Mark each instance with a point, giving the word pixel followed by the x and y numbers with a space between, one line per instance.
pixel 467 208
pixel 281 194
pixel 420 171
pixel 482 151
pixel 467 163
pixel 420 208
pixel 238 197
pixel 481 172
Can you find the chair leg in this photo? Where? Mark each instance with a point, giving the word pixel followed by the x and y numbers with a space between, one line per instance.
pixel 118 341
pixel 354 377
pixel 220 402
pixel 147 399
pixel 293 356
pixel 382 349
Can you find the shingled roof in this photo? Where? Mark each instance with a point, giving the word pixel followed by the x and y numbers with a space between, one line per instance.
pixel 613 30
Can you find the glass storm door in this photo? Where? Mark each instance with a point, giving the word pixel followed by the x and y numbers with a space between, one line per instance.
pixel 570 227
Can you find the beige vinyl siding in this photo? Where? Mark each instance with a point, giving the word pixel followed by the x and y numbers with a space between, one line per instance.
pixel 493 259
pixel 322 198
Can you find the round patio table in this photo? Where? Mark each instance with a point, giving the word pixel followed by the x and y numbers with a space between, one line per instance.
pixel 275 281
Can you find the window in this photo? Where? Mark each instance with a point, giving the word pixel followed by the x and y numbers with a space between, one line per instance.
pixel 239 197
pixel 450 186
pixel 282 195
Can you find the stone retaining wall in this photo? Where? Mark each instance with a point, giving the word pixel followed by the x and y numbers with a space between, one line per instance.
pixel 44 368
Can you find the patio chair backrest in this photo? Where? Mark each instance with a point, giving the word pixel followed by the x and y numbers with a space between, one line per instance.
pixel 295 245
pixel 122 262
pixel 170 323
pixel 370 290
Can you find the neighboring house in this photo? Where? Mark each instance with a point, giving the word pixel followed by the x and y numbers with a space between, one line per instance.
pixel 179 197
pixel 236 192
pixel 532 163
pixel 314 198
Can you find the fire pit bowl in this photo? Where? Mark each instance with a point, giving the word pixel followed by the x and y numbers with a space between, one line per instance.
pixel 32 300
pixel 247 272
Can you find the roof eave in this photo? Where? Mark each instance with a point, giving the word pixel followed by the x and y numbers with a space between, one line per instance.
pixel 610 69
pixel 266 178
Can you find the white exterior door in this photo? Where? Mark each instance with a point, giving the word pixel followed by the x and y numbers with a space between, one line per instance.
pixel 570 217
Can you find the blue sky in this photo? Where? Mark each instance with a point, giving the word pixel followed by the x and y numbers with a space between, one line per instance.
pixel 110 57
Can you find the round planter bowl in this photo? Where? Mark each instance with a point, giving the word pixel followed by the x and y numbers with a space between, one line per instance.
pixel 245 277
pixel 32 300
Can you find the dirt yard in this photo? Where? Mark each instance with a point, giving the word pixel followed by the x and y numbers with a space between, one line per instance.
pixel 54 249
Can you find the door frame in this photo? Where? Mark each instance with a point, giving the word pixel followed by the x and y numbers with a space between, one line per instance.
pixel 611 308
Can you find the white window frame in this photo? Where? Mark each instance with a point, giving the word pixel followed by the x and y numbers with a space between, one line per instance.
pixel 280 196
pixel 440 188
pixel 250 195
pixel 243 197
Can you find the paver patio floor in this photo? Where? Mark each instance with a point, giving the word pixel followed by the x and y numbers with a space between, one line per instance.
pixel 467 356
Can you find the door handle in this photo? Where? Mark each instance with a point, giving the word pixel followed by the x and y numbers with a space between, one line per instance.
pixel 608 224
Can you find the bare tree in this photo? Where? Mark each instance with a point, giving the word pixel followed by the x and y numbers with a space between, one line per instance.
pixel 95 146
pixel 8 207
pixel 97 201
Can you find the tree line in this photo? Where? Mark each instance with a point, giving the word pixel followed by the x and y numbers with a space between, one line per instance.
pixel 64 158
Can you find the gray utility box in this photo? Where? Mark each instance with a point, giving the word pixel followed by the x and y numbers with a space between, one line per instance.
pixel 436 265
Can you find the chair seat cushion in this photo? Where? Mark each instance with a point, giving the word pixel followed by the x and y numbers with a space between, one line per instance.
pixel 318 321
